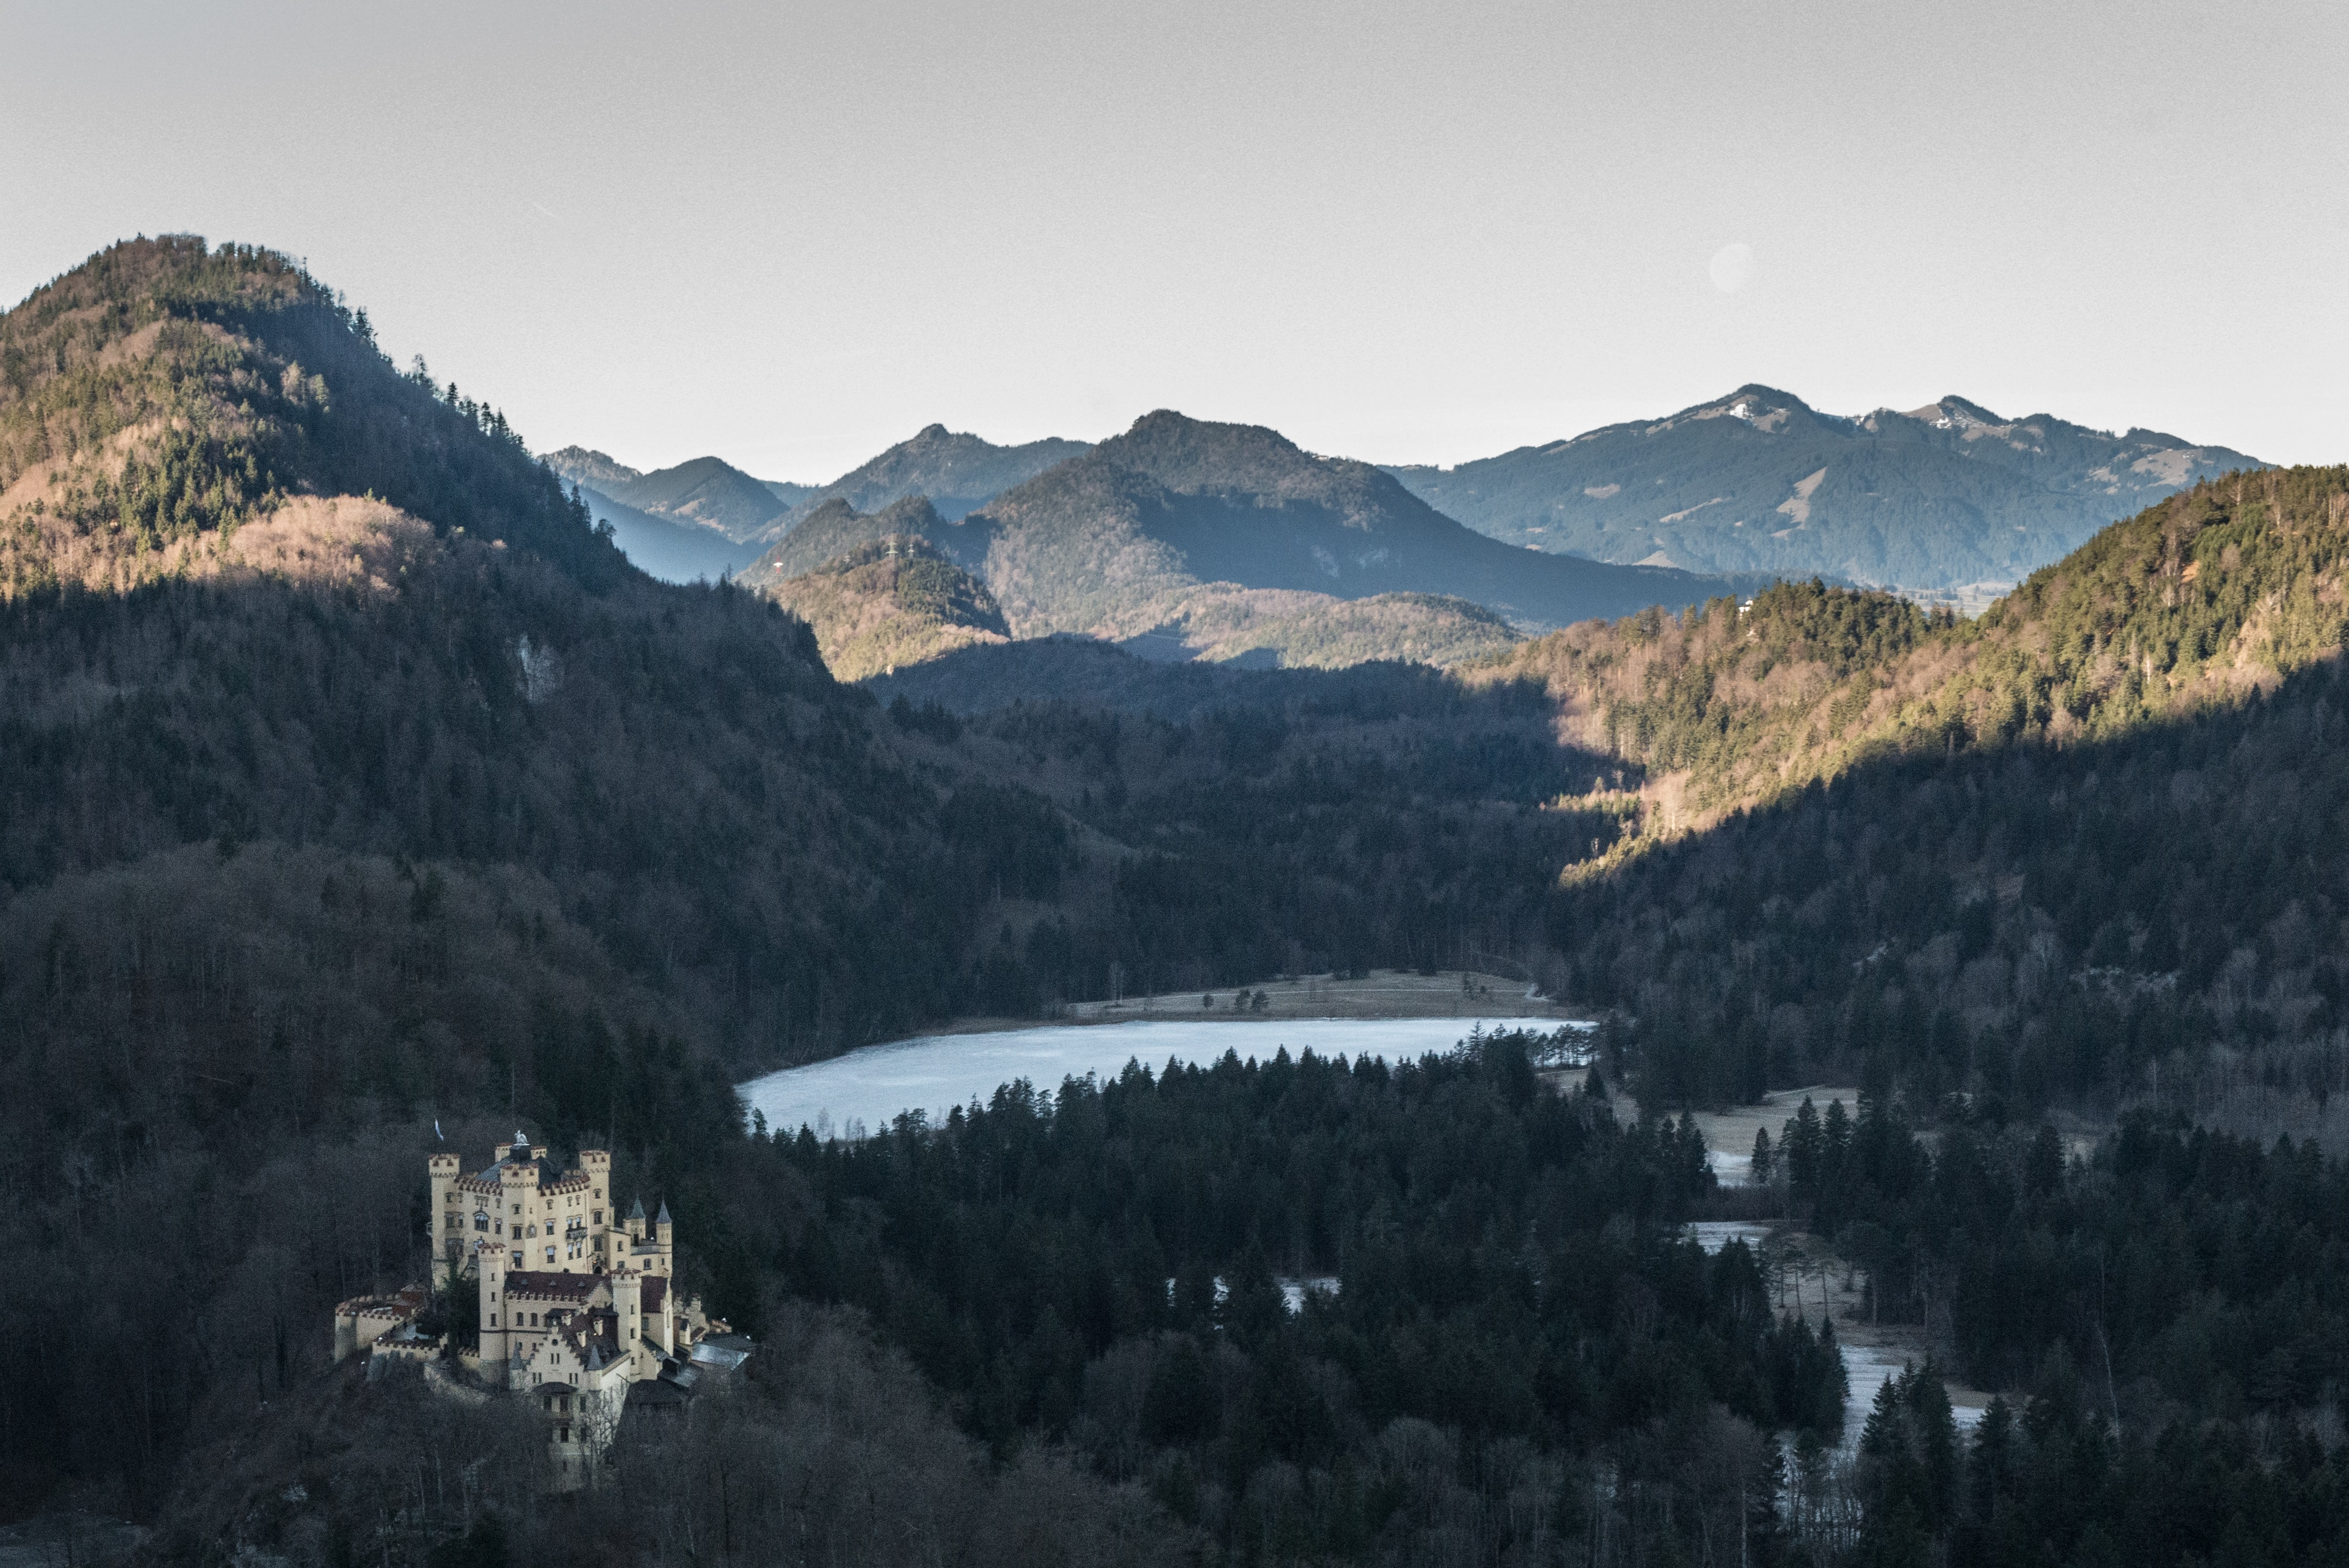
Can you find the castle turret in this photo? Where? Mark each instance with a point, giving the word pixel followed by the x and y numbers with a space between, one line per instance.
pixel 446 1215
pixel 627 1308
pixel 636 1219
pixel 661 1226
pixel 595 1164
pixel 497 1316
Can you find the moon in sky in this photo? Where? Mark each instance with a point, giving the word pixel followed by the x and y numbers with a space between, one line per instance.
pixel 1732 266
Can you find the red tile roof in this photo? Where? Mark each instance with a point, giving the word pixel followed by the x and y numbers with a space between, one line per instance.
pixel 541 1285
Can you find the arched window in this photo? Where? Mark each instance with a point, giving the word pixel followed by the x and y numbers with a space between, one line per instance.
pixel 481 1220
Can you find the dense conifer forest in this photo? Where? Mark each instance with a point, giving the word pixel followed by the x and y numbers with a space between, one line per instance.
pixel 352 786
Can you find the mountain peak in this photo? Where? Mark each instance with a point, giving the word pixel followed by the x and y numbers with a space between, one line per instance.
pixel 595 470
pixel 707 490
pixel 295 400
pixel 1951 499
pixel 957 471
pixel 1187 454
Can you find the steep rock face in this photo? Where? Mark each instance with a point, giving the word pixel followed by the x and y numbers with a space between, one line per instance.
pixel 1944 499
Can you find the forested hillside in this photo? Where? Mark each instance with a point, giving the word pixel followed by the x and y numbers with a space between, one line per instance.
pixel 1950 498
pixel 324 817
pixel 883 605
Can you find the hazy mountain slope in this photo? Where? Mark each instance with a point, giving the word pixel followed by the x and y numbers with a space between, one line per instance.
pixel 671 551
pixel 1110 542
pixel 957 472
pixel 1939 498
pixel 708 491
pixel 789 493
pixel 1184 620
pixel 882 606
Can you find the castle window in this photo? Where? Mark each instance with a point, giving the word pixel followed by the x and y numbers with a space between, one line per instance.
pixel 480 1221
pixel 493 1320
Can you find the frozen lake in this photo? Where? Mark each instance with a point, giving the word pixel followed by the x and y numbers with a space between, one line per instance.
pixel 869 1087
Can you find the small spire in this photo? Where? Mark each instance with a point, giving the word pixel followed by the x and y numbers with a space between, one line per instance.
pixel 637 1211
pixel 663 1218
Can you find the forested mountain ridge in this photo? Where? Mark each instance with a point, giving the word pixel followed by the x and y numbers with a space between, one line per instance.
pixel 2084 847
pixel 1111 541
pixel 834 528
pixel 1213 621
pixel 957 472
pixel 2222 591
pixel 1946 499
pixel 142 422
pixel 886 604
pixel 707 518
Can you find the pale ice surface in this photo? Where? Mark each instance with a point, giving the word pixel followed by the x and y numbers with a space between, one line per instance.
pixel 1729 1169
pixel 1713 1235
pixel 1867 1368
pixel 937 1072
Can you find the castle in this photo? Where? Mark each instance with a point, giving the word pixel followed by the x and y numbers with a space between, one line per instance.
pixel 578 1307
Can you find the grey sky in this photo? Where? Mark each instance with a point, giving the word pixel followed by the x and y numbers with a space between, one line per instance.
pixel 793 234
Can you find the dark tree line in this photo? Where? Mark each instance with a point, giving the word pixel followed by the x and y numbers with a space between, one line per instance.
pixel 1105 1267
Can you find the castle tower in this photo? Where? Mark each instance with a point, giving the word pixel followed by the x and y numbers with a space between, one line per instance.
pixel 497 1316
pixel 662 1227
pixel 628 1306
pixel 446 1217
pixel 637 1221
pixel 525 1212
pixel 598 1165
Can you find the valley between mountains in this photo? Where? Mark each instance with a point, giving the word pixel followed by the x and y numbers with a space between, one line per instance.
pixel 362 792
